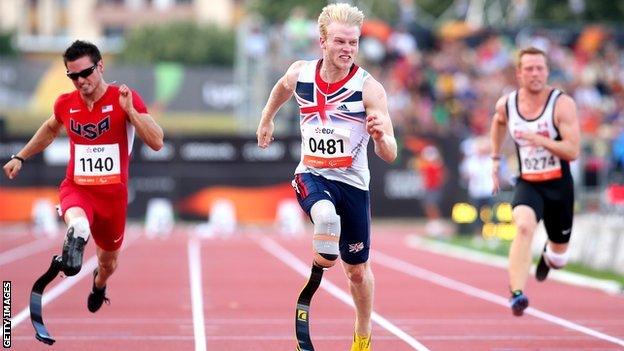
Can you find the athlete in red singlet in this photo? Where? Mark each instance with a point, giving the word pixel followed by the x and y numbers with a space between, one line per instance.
pixel 100 120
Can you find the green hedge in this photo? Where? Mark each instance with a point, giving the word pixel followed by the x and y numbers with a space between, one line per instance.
pixel 6 45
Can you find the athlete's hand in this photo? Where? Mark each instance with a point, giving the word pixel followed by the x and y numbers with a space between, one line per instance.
pixel 495 177
pixel 265 134
pixel 125 98
pixel 532 139
pixel 374 127
pixel 12 168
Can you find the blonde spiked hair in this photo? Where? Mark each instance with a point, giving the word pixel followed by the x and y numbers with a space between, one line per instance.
pixel 339 12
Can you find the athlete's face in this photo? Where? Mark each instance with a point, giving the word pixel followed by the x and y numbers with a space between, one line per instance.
pixel 532 72
pixel 86 85
pixel 340 47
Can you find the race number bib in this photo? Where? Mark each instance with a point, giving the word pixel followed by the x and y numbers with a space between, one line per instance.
pixel 96 164
pixel 538 164
pixel 326 147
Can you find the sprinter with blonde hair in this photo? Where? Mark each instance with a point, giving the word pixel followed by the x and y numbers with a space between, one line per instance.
pixel 341 108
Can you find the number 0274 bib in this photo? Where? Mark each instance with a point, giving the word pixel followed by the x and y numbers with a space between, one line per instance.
pixel 538 164
pixel 326 147
pixel 96 164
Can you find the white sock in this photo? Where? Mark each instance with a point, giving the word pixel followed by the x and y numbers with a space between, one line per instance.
pixel 556 260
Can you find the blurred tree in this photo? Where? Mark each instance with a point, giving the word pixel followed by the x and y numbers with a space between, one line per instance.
pixel 564 10
pixel 182 42
pixel 6 45
pixel 435 7
pixel 277 11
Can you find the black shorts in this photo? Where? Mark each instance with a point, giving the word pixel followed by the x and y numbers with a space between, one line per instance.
pixel 352 205
pixel 552 201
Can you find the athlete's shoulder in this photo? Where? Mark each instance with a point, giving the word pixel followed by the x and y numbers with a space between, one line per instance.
pixel 565 98
pixel 501 103
pixel 294 73
pixel 66 100
pixel 368 79
pixel 565 107
pixel 68 97
pixel 298 65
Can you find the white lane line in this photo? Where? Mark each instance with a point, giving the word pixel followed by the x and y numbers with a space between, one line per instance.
pixel 416 241
pixel 415 271
pixel 194 261
pixel 66 284
pixel 25 250
pixel 272 247
pixel 285 337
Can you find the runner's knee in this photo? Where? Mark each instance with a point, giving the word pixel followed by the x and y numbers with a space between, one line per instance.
pixel 326 233
pixel 109 265
pixel 524 229
pixel 81 227
pixel 359 274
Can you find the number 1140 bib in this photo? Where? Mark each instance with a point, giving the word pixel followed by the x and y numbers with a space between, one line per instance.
pixel 96 164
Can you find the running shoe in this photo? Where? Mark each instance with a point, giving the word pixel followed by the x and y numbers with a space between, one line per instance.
pixel 97 296
pixel 541 272
pixel 361 343
pixel 518 303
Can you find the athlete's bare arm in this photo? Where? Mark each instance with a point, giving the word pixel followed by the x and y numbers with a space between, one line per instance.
pixel 44 136
pixel 281 92
pixel 147 129
pixel 498 131
pixel 566 120
pixel 378 123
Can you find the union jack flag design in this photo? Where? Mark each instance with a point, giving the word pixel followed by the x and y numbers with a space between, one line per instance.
pixel 357 247
pixel 327 109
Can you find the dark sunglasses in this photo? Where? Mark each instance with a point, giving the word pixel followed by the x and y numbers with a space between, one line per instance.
pixel 84 73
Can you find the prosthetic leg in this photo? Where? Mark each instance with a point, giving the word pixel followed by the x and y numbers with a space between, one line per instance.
pixel 36 294
pixel 302 317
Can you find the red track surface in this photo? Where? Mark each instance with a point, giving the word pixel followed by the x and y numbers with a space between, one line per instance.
pixel 249 295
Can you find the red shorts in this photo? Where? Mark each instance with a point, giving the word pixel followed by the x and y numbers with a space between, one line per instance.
pixel 105 209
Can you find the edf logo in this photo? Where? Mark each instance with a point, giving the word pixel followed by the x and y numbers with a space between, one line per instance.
pixel 90 131
pixel 319 130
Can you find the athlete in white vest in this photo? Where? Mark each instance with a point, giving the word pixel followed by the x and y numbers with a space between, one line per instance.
pixel 544 126
pixel 341 107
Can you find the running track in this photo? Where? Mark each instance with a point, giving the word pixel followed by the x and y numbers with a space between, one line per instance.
pixel 238 293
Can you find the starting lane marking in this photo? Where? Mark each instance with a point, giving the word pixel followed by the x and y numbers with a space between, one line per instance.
pixel 25 250
pixel 279 252
pixel 438 279
pixel 195 276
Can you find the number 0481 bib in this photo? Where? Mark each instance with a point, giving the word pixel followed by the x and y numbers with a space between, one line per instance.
pixel 96 164
pixel 326 147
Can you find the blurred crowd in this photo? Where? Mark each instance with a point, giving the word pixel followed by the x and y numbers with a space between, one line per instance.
pixel 446 82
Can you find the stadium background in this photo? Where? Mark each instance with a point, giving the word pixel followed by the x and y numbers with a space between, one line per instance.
pixel 205 69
